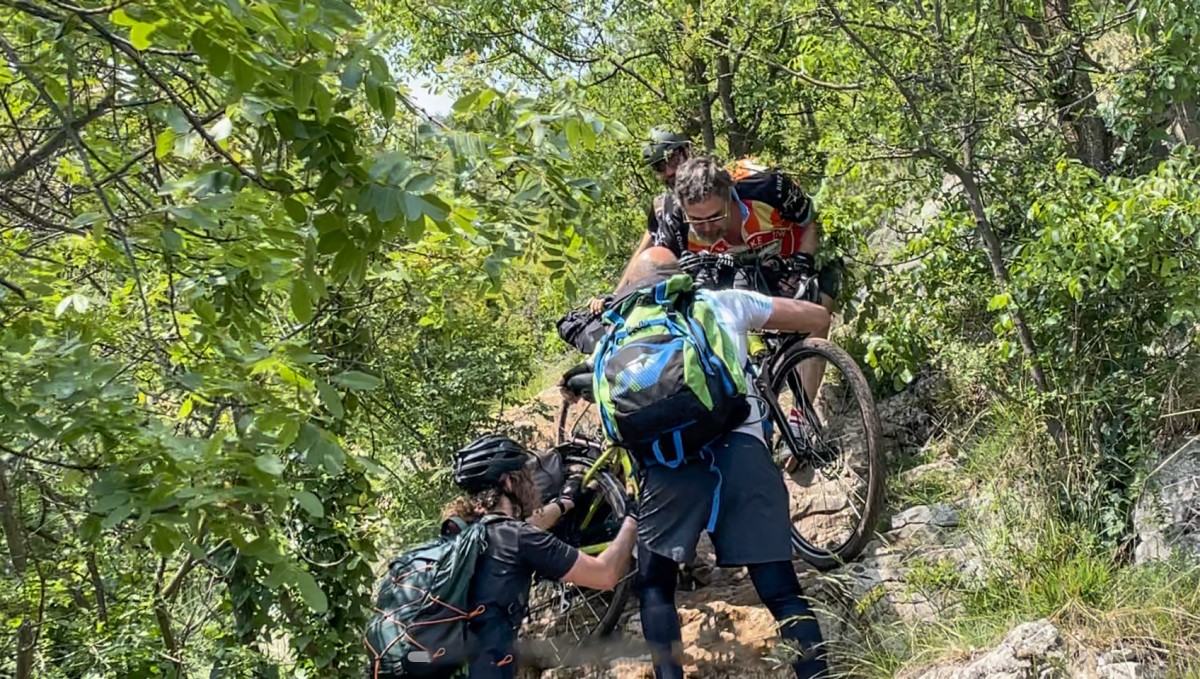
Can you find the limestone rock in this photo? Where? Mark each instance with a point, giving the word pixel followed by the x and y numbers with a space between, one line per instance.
pixel 1033 650
pixel 906 420
pixel 1128 670
pixel 922 525
pixel 1167 517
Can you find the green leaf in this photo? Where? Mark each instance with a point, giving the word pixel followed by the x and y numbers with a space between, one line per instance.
pixel 387 102
pixel 346 262
pixel 352 76
pixel 120 18
pixel 244 74
pixel 420 182
pixel 221 130
pixel 329 182
pixel 139 35
pixel 313 596
pixel 997 302
pixel 216 55
pixel 355 380
pixel 172 241
pixel 164 143
pixel 311 503
pixel 465 102
pixel 110 502
pixel 332 242
pixel 302 304
pixel 415 229
pixel 331 398
pixel 80 303
pixel 269 464
pixel 302 90
pixel 574 134
pixel 264 549
pixel 323 100
pixel 296 210
pixel 117 516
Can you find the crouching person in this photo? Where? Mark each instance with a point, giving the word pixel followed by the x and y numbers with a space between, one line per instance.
pixel 456 603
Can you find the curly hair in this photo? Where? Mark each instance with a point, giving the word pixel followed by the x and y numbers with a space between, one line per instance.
pixel 700 177
pixel 475 506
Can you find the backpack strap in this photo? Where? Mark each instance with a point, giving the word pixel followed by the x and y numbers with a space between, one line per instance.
pixel 455 525
pixel 660 294
pixel 716 496
pixel 661 459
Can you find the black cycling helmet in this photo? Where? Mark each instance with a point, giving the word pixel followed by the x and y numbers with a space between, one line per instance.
pixel 483 462
pixel 662 145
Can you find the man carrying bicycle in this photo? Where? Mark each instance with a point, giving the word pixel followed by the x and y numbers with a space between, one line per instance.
pixel 731 488
pixel 752 209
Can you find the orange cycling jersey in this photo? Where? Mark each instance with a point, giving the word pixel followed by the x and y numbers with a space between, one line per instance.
pixel 773 207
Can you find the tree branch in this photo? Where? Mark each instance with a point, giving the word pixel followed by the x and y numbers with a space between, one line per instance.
pixel 27 163
pixel 194 120
pixel 24 455
pixel 18 553
pixel 908 95
pixel 73 135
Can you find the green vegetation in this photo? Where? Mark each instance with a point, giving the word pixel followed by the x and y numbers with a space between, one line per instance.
pixel 252 294
pixel 1032 562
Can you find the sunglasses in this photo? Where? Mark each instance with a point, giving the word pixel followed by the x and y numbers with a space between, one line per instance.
pixel 659 166
pixel 708 220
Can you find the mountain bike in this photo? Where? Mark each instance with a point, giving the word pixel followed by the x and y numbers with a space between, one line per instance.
pixel 567 624
pixel 827 445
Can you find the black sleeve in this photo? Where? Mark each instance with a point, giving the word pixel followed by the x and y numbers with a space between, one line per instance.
pixel 651 221
pixel 548 556
pixel 794 205
pixel 672 230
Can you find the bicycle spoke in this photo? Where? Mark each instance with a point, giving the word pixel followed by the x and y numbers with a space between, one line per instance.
pixel 830 487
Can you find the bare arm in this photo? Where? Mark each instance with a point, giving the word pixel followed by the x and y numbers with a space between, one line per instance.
pixel 641 247
pixel 811 238
pixel 793 315
pixel 606 570
pixel 547 516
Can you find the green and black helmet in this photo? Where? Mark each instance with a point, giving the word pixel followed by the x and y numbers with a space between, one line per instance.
pixel 662 145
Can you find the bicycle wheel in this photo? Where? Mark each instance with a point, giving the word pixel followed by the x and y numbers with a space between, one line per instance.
pixel 837 472
pixel 568 622
pixel 580 420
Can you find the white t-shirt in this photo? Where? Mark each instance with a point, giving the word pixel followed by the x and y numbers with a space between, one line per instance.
pixel 739 312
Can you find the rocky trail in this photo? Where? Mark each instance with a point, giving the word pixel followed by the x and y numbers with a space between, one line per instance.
pixel 727 633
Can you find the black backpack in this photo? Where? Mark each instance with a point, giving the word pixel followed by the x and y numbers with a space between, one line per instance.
pixel 581 330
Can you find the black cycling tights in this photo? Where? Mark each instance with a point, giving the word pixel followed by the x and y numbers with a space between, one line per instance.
pixel 777 587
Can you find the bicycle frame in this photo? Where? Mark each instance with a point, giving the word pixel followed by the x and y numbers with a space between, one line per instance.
pixel 776 345
pixel 613 457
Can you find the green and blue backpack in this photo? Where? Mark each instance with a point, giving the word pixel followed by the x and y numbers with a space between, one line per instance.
pixel 666 377
pixel 419 628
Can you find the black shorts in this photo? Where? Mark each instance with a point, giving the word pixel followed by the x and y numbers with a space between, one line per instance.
pixel 752 524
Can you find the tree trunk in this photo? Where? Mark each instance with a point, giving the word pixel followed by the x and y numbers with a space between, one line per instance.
pixel 18 551
pixel 739 142
pixel 694 76
pixel 995 256
pixel 1186 125
pixel 1071 92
